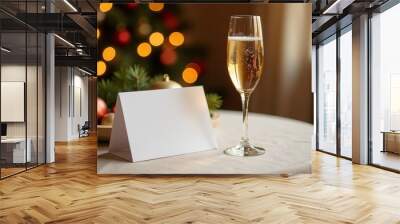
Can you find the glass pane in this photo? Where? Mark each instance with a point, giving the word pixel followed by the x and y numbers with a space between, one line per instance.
pixel 41 99
pixel 32 86
pixel 346 94
pixel 13 86
pixel 14 144
pixel 386 89
pixel 31 97
pixel 22 89
pixel 327 97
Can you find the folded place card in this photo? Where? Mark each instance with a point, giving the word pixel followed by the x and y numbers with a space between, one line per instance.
pixel 159 123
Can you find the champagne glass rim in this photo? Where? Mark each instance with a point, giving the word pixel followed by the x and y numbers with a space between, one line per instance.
pixel 244 16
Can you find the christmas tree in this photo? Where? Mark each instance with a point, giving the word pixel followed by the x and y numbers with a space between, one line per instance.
pixel 140 42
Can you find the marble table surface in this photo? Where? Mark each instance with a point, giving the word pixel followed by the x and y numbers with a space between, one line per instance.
pixel 287 143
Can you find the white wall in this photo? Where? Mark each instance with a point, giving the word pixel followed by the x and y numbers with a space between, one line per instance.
pixel 62 81
pixel 12 73
pixel 34 126
pixel 71 102
pixel 80 109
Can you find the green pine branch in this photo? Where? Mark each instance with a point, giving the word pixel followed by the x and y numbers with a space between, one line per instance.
pixel 130 78
pixel 214 101
pixel 134 78
pixel 108 91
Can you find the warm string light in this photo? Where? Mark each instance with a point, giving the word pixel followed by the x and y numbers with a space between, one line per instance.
pixel 109 54
pixel 168 54
pixel 156 7
pixel 189 75
pixel 101 68
pixel 156 39
pixel 176 39
pixel 143 49
pixel 105 7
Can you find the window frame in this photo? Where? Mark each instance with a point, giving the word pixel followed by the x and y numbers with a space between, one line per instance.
pixel 334 37
pixel 31 30
pixel 378 10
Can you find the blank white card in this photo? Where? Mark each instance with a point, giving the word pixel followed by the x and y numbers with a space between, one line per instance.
pixel 160 123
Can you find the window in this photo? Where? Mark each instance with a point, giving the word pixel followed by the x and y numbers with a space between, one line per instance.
pixel 385 89
pixel 334 106
pixel 394 101
pixel 327 96
pixel 22 78
pixel 346 93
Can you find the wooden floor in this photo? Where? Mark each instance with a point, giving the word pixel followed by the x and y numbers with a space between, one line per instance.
pixel 69 191
pixel 5 172
pixel 387 159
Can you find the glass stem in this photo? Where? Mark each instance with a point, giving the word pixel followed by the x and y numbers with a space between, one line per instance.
pixel 244 141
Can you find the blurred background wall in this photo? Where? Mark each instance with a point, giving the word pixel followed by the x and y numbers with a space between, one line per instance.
pixel 285 88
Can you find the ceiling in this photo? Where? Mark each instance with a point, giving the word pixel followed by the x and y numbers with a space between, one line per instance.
pixel 332 15
pixel 74 22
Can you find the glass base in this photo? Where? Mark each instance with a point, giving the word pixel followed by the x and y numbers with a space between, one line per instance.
pixel 244 150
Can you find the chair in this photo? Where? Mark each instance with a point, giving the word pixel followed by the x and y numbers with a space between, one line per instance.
pixel 84 130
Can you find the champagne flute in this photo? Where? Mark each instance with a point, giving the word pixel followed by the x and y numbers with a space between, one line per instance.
pixel 245 54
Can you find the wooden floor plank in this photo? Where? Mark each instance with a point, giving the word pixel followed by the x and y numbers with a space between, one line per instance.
pixel 70 191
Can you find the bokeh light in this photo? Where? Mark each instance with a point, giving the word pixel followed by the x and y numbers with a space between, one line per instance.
pixel 168 56
pixel 123 37
pixel 132 5
pixel 176 39
pixel 195 66
pixel 144 49
pixel 189 75
pixel 156 7
pixel 98 33
pixel 109 53
pixel 156 39
pixel 101 68
pixel 105 7
pixel 144 28
pixel 170 20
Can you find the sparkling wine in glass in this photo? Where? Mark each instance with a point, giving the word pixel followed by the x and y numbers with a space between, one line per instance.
pixel 245 54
